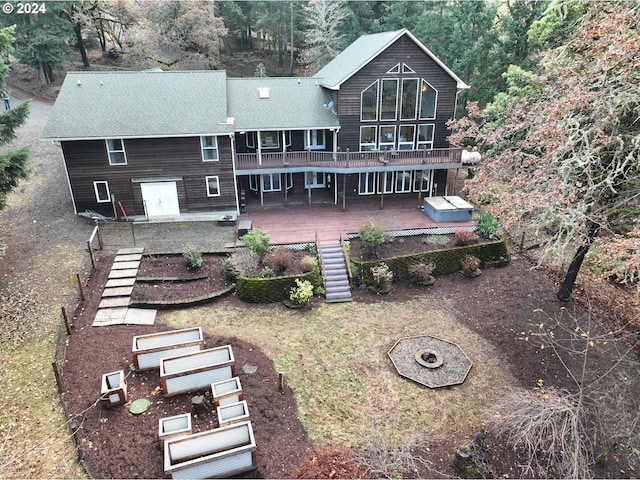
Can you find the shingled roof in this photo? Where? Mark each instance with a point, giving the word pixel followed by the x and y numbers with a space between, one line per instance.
pixel 139 104
pixel 362 51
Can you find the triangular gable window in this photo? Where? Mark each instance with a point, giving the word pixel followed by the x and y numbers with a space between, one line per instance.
pixel 395 69
pixel 407 69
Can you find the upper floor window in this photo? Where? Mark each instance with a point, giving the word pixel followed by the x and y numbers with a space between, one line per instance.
pixel 389 99
pixel 428 101
pixel 115 150
pixel 209 148
pixel 314 140
pixel 213 186
pixel 425 136
pixel 269 139
pixel 369 102
pixel 409 99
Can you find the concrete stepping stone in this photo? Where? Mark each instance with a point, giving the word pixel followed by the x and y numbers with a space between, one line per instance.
pixel 130 272
pixel 140 316
pixel 120 282
pixel 125 265
pixel 117 292
pixel 130 251
pixel 110 316
pixel 111 302
pixel 131 257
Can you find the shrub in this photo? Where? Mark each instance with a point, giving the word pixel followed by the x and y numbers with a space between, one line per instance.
pixel 256 241
pixel 308 263
pixel 464 237
pixel 241 264
pixel 470 266
pixel 422 272
pixel 372 235
pixel 382 278
pixel 280 260
pixel 302 292
pixel 267 273
pixel 488 227
pixel 193 256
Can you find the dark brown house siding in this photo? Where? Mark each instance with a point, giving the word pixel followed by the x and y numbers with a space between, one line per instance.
pixel 152 159
pixel 403 51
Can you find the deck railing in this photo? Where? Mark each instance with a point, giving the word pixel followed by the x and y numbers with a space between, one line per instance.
pixel 253 161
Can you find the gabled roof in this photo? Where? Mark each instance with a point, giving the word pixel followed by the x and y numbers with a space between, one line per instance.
pixel 139 104
pixel 353 58
pixel 287 103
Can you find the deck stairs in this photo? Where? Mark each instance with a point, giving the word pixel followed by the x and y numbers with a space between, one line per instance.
pixel 334 272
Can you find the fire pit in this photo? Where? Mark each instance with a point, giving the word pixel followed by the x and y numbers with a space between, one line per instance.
pixel 430 361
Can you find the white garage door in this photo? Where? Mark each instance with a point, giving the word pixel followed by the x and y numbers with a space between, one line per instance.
pixel 161 199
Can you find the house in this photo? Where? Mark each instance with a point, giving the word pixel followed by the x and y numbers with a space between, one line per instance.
pixel 160 145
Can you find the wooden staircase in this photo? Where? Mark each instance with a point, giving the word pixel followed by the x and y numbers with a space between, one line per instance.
pixel 334 272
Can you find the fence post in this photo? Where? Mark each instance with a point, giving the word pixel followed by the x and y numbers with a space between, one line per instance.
pixel 80 286
pixel 56 373
pixel 66 320
pixel 93 260
pixel 100 244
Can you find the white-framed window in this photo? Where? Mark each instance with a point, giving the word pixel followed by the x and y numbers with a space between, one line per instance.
pixel 425 136
pixel 269 139
pixel 389 99
pixel 403 181
pixel 409 99
pixel 407 69
pixel 314 140
pixel 213 186
pixel 406 137
pixel 387 137
pixel 426 179
pixel 395 69
pixel 369 103
pixel 271 182
pixel 250 139
pixel 115 150
pixel 209 146
pixel 385 182
pixel 428 101
pixel 368 138
pixel 367 183
pixel 103 195
pixel 314 180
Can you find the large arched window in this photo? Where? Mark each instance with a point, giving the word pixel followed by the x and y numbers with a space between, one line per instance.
pixel 428 101
pixel 369 103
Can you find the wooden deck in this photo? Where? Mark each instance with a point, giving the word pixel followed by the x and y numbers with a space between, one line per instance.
pixel 306 223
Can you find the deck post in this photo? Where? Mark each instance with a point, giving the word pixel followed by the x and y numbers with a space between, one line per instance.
pixel 286 191
pixel 381 187
pixel 344 192
pixel 420 189
pixel 261 192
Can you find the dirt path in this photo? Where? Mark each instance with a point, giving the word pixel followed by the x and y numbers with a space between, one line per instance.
pixel 37 277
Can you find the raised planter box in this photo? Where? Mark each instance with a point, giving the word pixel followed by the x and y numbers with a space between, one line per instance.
pixel 232 413
pixel 196 371
pixel 149 349
pixel 227 391
pixel 173 427
pixel 217 453
pixel 114 389
pixel 448 209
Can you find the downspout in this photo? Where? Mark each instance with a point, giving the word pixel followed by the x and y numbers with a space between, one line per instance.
pixel 259 148
pixel 233 165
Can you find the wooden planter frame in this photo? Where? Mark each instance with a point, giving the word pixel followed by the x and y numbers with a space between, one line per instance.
pixel 227 391
pixel 149 349
pixel 218 453
pixel 196 371
pixel 173 427
pixel 114 389
pixel 232 413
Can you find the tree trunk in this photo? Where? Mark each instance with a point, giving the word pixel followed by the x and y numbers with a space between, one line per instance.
pixel 77 28
pixel 564 294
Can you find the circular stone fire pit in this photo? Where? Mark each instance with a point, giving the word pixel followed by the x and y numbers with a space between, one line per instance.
pixel 430 361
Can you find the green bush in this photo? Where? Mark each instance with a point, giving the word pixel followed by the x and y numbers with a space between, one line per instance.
pixel 267 273
pixel 382 278
pixel 241 264
pixel 488 227
pixel 302 292
pixel 193 256
pixel 372 235
pixel 256 241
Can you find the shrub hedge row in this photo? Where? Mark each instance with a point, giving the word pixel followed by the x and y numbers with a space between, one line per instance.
pixel 276 289
pixel 447 261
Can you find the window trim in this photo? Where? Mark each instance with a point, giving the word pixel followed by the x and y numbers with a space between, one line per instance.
pixel 204 148
pixel 374 176
pixel 208 178
pixel 415 104
pixel 314 179
pixel 409 142
pixel 377 101
pixel 395 109
pixel 311 140
pixel 388 182
pixel 271 176
pixel 274 146
pixel 111 150
pixel 383 145
pixel 368 146
pixel 410 184
pixel 95 189
pixel 435 102
pixel 421 144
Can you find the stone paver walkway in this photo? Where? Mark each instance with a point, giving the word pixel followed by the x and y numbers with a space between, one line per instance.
pixel 116 296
